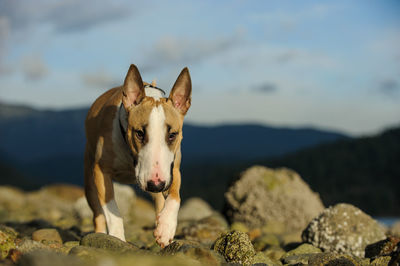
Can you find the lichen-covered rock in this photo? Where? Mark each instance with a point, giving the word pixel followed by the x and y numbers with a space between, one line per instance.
pixel 194 209
pixel 343 228
pixel 263 195
pixel 385 260
pixel 274 252
pixel 47 234
pixel 235 247
pixel 193 250
pixel 303 249
pixel 107 242
pixel 206 230
pixel 7 237
pixel 382 248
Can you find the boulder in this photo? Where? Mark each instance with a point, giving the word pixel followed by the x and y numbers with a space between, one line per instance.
pixel 343 229
pixel 194 209
pixel 235 247
pixel 262 195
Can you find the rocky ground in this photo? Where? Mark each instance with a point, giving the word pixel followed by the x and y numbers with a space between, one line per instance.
pixel 271 218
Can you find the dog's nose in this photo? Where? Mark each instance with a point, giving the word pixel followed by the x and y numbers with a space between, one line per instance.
pixel 153 187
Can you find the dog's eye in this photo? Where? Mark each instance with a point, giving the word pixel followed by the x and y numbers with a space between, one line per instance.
pixel 172 136
pixel 139 134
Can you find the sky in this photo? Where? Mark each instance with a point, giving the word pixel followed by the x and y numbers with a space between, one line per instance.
pixel 333 65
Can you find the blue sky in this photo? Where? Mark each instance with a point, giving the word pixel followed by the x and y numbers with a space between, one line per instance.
pixel 327 64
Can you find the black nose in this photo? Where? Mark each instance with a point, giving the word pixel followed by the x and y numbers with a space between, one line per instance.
pixel 152 187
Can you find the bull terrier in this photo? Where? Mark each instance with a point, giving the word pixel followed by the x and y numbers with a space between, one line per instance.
pixel 134 135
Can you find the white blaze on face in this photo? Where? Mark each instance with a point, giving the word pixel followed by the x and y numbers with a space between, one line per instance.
pixel 155 158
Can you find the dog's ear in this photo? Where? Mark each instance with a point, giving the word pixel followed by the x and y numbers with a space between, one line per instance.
pixel 133 89
pixel 181 93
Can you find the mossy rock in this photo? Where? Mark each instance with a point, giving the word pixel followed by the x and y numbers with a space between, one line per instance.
pixel 235 247
pixel 303 249
pixel 7 237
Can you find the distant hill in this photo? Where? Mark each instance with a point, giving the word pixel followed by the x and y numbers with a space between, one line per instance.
pixel 49 145
pixel 363 171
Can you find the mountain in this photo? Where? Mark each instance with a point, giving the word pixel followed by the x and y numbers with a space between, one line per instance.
pixel 49 144
pixel 364 171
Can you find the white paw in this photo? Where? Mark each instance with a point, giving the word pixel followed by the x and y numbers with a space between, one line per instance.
pixel 166 223
pixel 165 230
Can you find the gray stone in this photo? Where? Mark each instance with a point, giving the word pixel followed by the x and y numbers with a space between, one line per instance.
pixel 262 195
pixel 344 229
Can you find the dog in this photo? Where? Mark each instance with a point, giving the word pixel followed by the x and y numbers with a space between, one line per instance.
pixel 134 135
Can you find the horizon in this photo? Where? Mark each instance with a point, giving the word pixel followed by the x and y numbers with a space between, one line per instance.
pixel 333 65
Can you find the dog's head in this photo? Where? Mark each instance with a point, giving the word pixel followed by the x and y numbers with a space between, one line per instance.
pixel 154 130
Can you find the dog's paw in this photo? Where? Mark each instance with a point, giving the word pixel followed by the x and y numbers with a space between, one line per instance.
pixel 166 223
pixel 165 230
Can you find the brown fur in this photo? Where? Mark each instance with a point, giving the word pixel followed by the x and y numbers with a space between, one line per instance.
pixel 101 155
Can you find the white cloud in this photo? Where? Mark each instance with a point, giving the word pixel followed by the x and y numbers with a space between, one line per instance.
pixel 169 50
pixel 99 79
pixel 34 68
pixel 64 15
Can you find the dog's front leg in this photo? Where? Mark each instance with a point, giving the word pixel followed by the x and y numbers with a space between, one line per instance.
pixel 167 218
pixel 100 195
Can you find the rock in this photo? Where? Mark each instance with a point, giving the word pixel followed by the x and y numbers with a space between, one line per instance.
pixel 28 245
pixel 235 247
pixel 47 258
pixel 107 242
pixel 274 253
pixel 124 196
pixel 328 259
pixel 265 241
pixel 65 192
pixel 47 234
pixel 382 248
pixel 238 226
pixel 303 249
pixel 194 209
pixel 193 250
pixel 206 230
pixel 381 261
pixel 88 254
pixel 262 195
pixel 262 258
pixel 395 229
pixel 7 237
pixel 344 229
